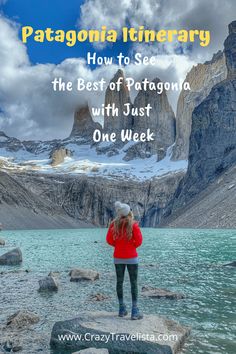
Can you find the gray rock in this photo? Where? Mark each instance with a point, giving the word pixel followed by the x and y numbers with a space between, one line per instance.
pixel 98 297
pixel 84 125
pixel 118 98
pixel 92 351
pixel 80 274
pixel 231 264
pixel 48 283
pixel 201 78
pixel 22 319
pixel 17 348
pixel 230 51
pixel 13 257
pixel 58 155
pixel 213 138
pixel 2 242
pixel 12 345
pixel 8 346
pixel 105 323
pixel 54 274
pixel 160 293
pixel 161 122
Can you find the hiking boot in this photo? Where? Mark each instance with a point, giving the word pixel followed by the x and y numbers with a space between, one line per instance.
pixel 122 311
pixel 136 314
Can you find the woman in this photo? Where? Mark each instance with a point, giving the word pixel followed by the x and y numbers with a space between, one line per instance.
pixel 125 236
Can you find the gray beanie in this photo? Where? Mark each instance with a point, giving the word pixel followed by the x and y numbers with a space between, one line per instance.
pixel 122 209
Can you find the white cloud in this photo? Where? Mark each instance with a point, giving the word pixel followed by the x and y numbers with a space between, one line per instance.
pixel 30 109
pixel 28 106
pixel 155 14
pixel 97 13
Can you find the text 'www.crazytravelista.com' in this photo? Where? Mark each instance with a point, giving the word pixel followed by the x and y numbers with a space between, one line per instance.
pixel 105 338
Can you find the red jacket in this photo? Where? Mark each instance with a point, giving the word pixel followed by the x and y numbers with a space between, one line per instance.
pixel 125 248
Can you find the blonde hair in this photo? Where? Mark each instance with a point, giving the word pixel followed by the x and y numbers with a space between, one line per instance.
pixel 123 225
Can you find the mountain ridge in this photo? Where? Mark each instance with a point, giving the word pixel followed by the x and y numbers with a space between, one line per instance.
pixel 86 178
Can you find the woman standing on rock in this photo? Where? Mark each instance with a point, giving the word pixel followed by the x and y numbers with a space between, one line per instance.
pixel 125 236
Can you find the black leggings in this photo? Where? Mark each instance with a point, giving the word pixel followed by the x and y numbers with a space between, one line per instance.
pixel 133 276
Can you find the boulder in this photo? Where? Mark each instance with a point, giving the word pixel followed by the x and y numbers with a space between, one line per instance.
pixel 231 264
pixel 2 242
pixel 12 346
pixel 58 156
pixel 92 351
pixel 119 335
pixel 54 274
pixel 79 274
pixel 160 293
pixel 13 257
pixel 98 297
pixel 48 283
pixel 22 319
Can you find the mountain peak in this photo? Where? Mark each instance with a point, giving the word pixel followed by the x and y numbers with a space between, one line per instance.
pixel 84 125
pixel 119 98
pixel 232 27
pixel 230 50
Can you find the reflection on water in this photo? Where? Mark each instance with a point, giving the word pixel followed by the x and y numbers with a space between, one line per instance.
pixel 186 261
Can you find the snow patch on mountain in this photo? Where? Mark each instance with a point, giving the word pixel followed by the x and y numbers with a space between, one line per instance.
pixel 86 160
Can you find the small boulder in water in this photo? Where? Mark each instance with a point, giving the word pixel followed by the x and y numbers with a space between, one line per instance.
pixel 10 346
pixel 22 319
pixel 54 274
pixel 48 283
pixel 13 257
pixel 98 297
pixel 157 293
pixel 231 264
pixel 2 242
pixel 92 351
pixel 80 274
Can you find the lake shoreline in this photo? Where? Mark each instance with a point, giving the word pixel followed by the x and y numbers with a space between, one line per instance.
pixel 196 271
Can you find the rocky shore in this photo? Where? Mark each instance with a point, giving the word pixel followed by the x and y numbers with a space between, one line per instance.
pixel 21 328
pixel 37 304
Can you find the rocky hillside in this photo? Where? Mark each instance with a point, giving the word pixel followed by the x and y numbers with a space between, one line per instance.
pixel 214 207
pixel 21 208
pixel 201 78
pixel 213 139
pixel 92 198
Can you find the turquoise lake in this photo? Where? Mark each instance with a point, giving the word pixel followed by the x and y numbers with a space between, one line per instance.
pixel 181 260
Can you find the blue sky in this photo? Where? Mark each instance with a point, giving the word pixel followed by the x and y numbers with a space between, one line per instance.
pixel 59 14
